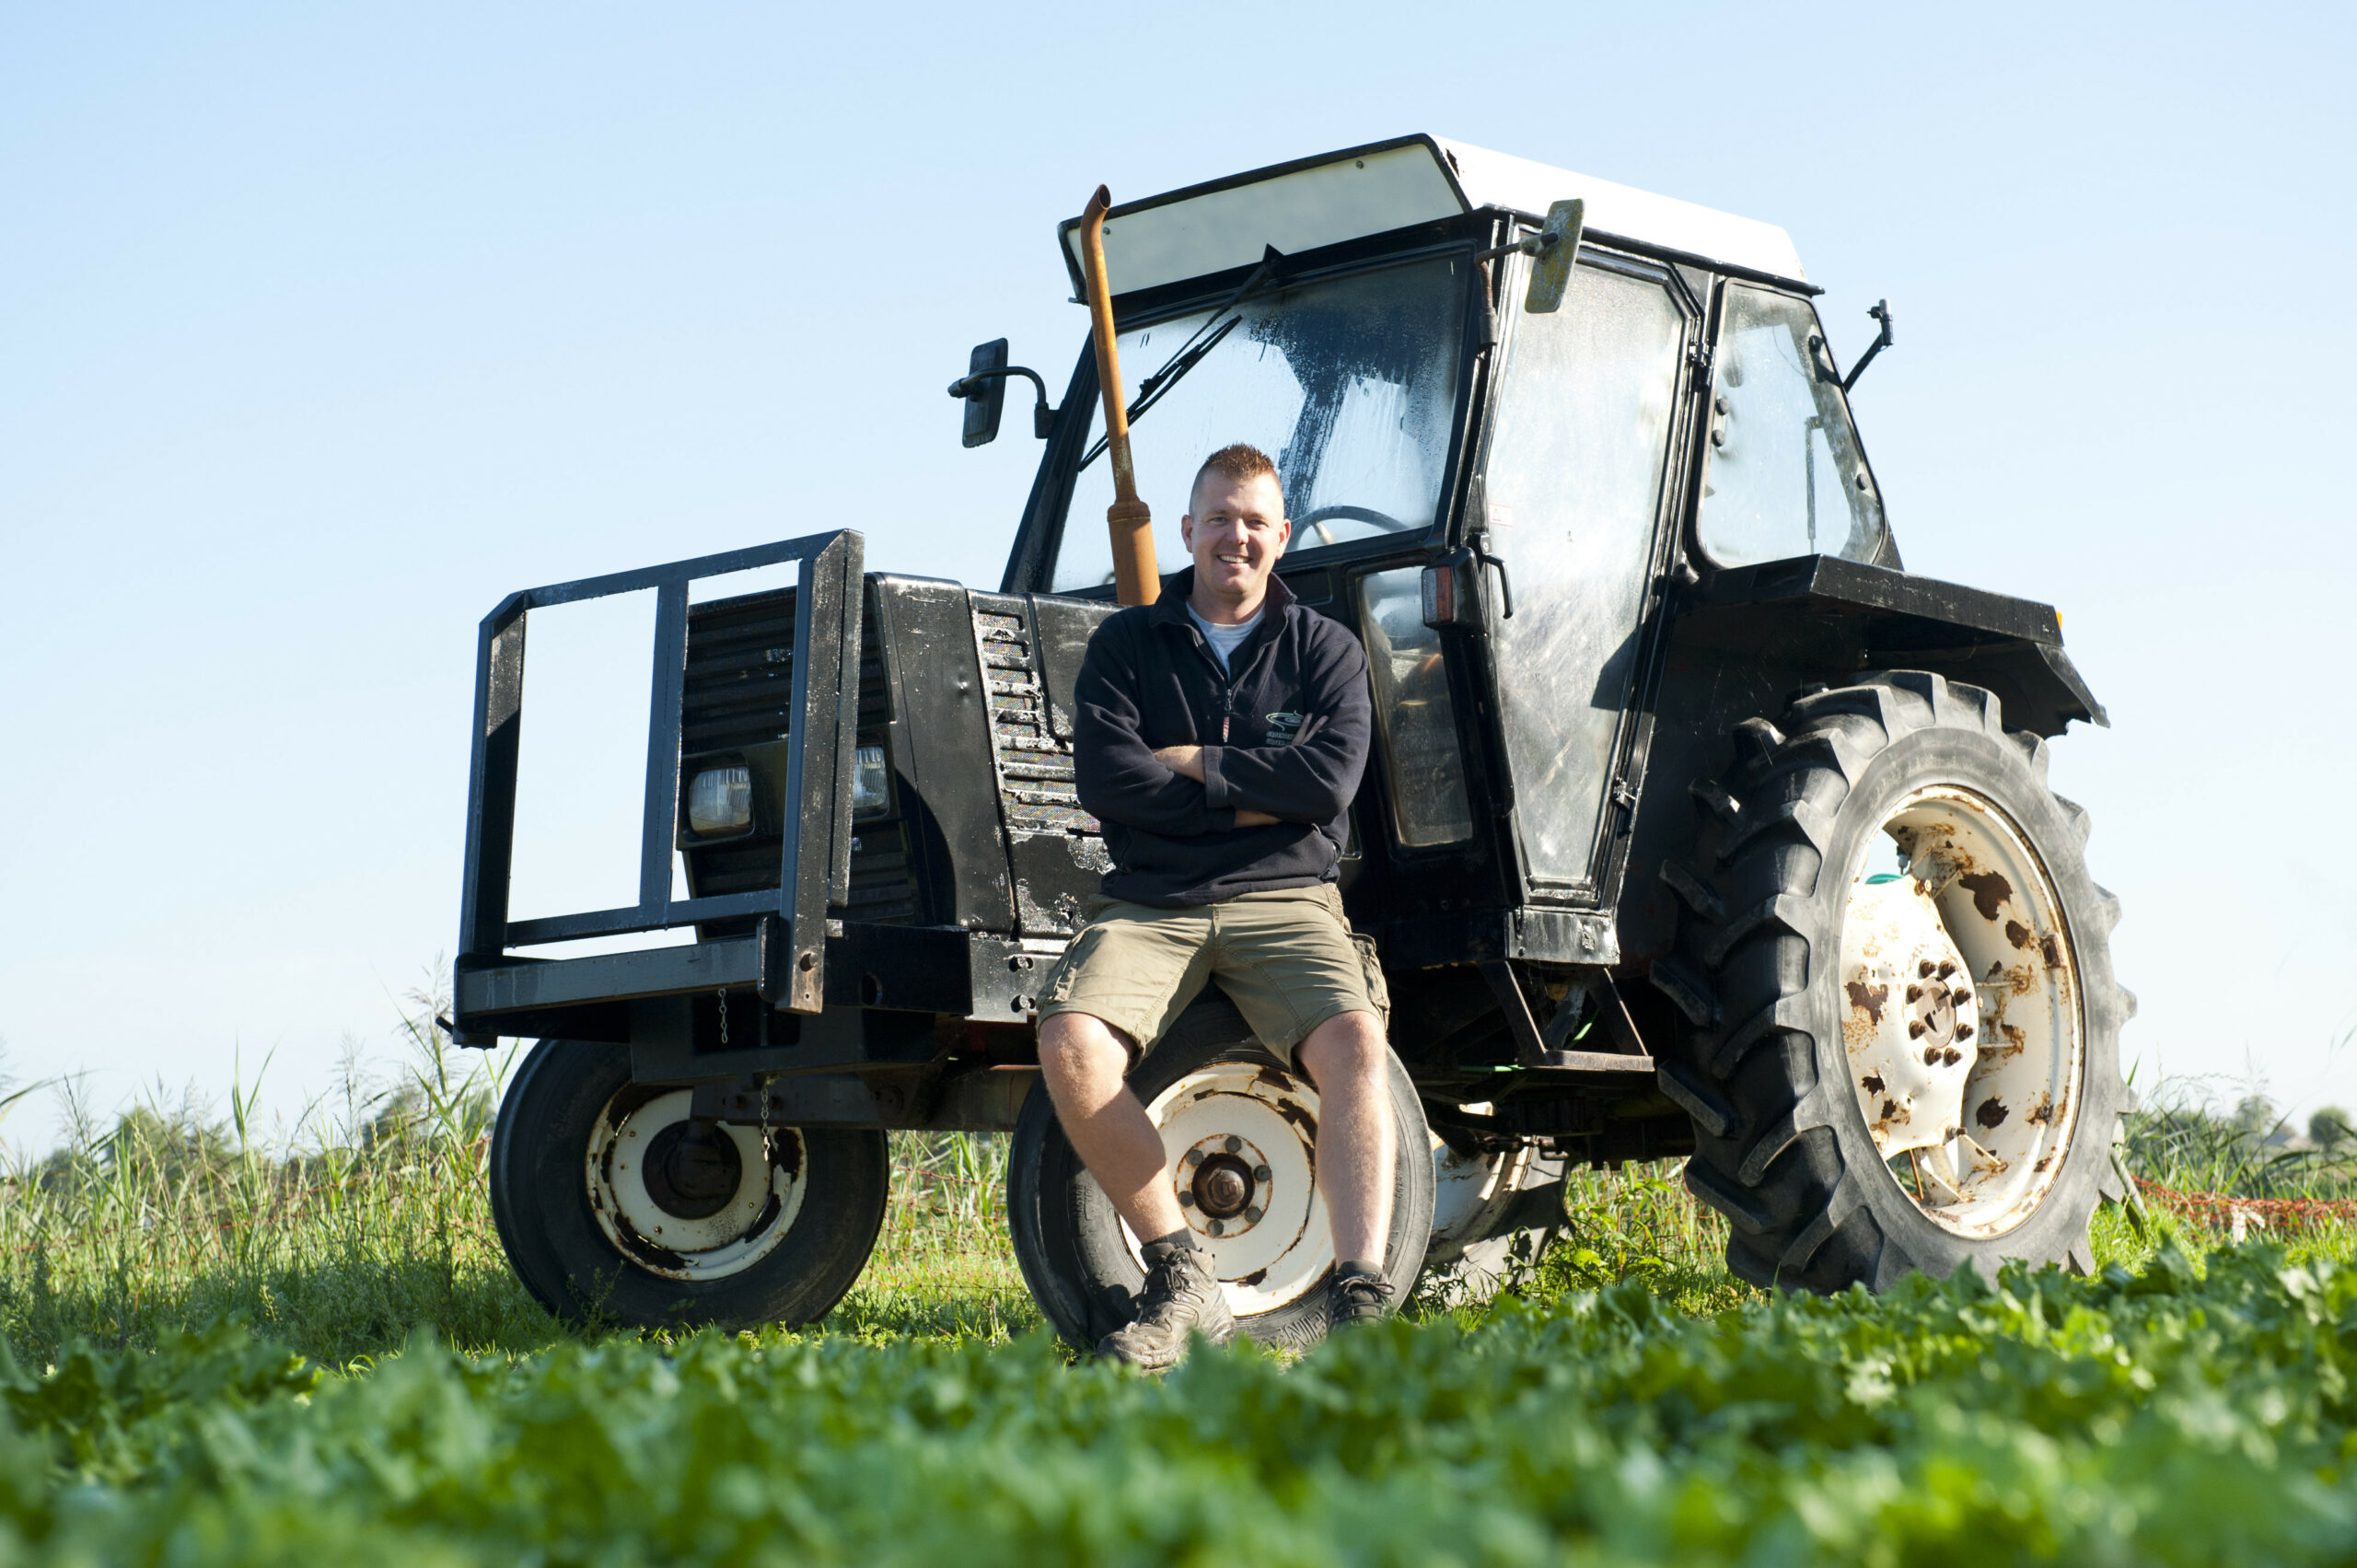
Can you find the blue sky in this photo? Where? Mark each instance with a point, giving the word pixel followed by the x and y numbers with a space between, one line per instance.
pixel 324 327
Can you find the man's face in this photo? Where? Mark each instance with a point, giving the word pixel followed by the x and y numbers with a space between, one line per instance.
pixel 1235 532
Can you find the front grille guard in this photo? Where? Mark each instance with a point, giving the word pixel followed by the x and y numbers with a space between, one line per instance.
pixel 815 864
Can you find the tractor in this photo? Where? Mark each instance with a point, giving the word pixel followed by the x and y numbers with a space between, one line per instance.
pixel 1695 828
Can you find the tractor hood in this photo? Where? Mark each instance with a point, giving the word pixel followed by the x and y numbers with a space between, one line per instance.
pixel 1368 189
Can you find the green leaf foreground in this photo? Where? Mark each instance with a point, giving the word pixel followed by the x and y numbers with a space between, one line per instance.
pixel 2184 1415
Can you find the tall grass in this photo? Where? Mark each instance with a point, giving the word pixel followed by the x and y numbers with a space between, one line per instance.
pixel 373 1219
pixel 2183 1142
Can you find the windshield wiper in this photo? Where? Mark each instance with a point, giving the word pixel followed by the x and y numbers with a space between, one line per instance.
pixel 1200 342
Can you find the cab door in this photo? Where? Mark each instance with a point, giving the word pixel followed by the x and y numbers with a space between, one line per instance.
pixel 1573 499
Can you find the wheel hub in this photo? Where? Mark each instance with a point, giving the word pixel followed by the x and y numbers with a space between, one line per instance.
pixel 1238 1140
pixel 1910 1024
pixel 686 1199
pixel 1224 1184
pixel 693 1169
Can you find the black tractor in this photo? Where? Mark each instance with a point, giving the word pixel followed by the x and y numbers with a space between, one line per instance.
pixel 1695 827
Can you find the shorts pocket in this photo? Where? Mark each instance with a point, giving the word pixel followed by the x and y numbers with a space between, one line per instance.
pixel 1067 969
pixel 1371 963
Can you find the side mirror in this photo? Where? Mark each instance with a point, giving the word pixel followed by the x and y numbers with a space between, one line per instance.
pixel 1557 247
pixel 984 391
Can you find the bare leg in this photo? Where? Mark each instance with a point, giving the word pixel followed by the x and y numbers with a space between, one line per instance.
pixel 1083 1060
pixel 1345 1057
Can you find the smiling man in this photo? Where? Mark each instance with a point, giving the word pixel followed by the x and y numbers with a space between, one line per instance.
pixel 1220 736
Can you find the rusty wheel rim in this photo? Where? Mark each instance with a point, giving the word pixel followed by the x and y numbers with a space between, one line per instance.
pixel 1961 1016
pixel 649 1191
pixel 1237 1141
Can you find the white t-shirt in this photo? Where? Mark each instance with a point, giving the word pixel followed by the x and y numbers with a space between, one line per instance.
pixel 1223 639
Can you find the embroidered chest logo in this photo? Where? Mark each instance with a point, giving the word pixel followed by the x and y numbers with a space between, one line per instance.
pixel 1284 728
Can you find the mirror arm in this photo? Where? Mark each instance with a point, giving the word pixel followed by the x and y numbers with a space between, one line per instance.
pixel 1880 312
pixel 1530 247
pixel 1044 418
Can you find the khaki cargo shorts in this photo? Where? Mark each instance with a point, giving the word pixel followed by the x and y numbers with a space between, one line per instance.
pixel 1288 959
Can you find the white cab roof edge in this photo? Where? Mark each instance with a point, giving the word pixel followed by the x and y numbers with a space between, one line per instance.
pixel 1501 179
pixel 1333 197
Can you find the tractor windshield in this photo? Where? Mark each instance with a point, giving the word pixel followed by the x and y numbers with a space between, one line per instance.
pixel 1348 383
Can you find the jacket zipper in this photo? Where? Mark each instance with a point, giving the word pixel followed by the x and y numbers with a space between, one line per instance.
pixel 1228 681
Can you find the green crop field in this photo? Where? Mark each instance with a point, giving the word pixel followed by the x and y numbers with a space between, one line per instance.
pixel 222 1350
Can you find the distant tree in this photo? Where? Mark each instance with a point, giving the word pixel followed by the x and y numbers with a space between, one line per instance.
pixel 2332 1128
pixel 2256 1115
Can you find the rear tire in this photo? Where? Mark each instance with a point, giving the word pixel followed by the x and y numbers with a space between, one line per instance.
pixel 1207 1075
pixel 1783 1144
pixel 741 1236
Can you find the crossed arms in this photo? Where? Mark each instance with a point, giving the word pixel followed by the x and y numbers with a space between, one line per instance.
pixel 1187 762
pixel 1189 790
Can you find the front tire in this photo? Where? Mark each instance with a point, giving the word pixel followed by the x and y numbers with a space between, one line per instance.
pixel 1911 1071
pixel 613 1206
pixel 1210 1083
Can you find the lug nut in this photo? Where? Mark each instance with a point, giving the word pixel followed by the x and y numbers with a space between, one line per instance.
pixel 1914 994
pixel 1924 969
pixel 1194 1156
pixel 1947 968
pixel 1185 1200
pixel 1216 1228
pixel 1234 1145
pixel 1964 1031
pixel 1931 1056
pixel 1260 1173
pixel 1915 1028
pixel 1253 1213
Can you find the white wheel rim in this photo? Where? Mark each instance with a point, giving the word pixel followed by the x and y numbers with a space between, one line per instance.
pixel 1467 1187
pixel 1271 1258
pixel 1468 1191
pixel 1968 947
pixel 747 1226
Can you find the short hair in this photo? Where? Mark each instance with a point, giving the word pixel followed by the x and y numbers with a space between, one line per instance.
pixel 1238 462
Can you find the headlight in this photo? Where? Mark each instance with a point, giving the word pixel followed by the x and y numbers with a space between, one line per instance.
pixel 870 783
pixel 721 800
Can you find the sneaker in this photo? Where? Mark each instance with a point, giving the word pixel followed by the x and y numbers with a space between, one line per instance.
pixel 1180 1297
pixel 1357 1297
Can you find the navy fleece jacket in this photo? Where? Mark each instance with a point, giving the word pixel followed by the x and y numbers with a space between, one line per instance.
pixel 1284 731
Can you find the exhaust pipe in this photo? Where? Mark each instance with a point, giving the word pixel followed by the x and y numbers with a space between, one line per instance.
pixel 1135 579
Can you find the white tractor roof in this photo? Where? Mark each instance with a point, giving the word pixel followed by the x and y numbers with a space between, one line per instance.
pixel 1386 185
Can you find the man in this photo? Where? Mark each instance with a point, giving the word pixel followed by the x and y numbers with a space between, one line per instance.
pixel 1220 735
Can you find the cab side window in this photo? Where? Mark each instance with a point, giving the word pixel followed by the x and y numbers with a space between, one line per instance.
pixel 1784 475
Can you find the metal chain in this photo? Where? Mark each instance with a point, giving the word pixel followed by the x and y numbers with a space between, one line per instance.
pixel 762 1092
pixel 724 1017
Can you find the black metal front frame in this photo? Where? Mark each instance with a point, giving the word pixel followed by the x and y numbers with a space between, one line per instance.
pixel 815 864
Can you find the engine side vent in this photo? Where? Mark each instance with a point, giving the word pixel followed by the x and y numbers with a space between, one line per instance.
pixel 1037 794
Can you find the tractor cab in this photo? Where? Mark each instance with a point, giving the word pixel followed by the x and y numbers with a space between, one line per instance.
pixel 1499 439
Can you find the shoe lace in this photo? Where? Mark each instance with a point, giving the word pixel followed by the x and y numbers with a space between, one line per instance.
pixel 1365 1290
pixel 1171 1288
